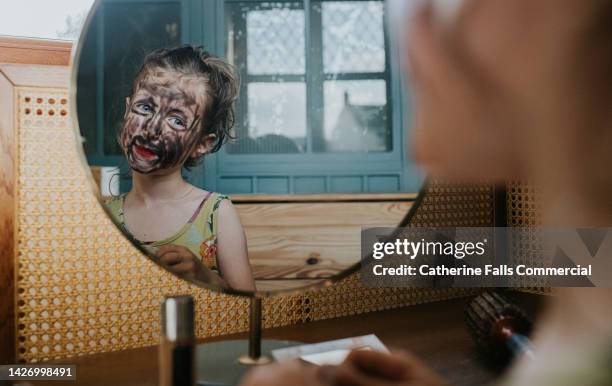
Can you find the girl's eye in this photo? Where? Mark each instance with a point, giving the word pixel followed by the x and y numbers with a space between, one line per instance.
pixel 176 121
pixel 143 108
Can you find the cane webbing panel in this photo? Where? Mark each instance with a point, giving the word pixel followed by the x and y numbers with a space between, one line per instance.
pixel 455 205
pixel 524 207
pixel 524 211
pixel 82 288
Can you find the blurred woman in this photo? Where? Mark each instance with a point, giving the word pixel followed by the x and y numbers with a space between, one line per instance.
pixel 513 89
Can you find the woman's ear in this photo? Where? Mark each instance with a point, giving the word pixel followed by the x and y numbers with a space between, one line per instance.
pixel 205 146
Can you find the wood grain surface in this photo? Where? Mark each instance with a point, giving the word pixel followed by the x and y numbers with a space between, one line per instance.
pixel 308 240
pixel 34 51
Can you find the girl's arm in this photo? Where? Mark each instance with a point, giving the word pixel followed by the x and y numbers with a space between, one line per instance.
pixel 232 254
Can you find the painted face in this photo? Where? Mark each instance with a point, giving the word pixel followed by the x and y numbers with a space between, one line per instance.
pixel 162 122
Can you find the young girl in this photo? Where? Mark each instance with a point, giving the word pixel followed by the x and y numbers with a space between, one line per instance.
pixel 181 108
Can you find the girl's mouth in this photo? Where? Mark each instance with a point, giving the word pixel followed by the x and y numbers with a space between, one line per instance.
pixel 144 153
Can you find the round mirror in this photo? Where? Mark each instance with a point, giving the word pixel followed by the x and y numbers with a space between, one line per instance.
pixel 242 145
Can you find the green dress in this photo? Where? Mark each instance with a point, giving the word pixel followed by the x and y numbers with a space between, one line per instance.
pixel 199 234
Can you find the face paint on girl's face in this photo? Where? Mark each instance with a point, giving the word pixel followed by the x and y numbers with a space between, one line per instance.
pixel 162 121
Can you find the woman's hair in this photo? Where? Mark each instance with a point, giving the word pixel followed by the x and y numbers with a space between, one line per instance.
pixel 222 86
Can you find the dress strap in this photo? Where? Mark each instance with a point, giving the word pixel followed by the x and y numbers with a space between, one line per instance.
pixel 199 208
pixel 212 219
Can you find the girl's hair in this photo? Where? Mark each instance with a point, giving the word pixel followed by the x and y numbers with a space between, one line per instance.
pixel 222 87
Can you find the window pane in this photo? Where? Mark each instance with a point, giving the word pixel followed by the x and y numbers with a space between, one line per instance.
pixel 266 43
pixel 353 36
pixel 276 119
pixel 275 38
pixel 356 116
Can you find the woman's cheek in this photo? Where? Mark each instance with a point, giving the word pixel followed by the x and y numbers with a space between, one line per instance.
pixel 444 148
pixel 421 150
pixel 432 138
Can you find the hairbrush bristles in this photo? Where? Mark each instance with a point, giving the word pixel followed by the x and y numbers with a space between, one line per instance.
pixel 495 324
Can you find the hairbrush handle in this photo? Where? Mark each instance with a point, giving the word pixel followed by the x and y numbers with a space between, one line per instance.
pixel 520 345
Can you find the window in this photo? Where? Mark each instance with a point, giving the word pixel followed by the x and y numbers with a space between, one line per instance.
pixel 314 79
pixel 320 107
pixel 266 42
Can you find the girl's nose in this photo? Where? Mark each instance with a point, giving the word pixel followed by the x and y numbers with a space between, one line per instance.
pixel 153 127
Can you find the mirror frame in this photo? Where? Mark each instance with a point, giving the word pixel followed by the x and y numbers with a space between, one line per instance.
pixel 75 56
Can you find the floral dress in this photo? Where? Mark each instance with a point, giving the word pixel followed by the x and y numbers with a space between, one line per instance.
pixel 199 234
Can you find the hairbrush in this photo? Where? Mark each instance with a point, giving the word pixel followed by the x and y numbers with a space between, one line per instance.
pixel 500 329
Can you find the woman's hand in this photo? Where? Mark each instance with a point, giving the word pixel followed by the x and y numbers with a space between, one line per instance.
pixel 372 368
pixel 361 368
pixel 181 261
pixel 292 373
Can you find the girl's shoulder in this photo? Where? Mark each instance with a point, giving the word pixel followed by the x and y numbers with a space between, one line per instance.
pixel 207 216
pixel 213 202
pixel 208 196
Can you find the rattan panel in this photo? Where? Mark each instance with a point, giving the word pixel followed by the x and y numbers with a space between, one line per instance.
pixel 82 288
pixel 524 206
pixel 456 205
pixel 524 211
